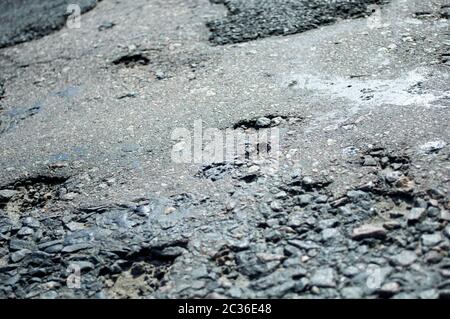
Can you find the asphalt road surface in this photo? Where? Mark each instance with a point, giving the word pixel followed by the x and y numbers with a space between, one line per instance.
pixel 103 176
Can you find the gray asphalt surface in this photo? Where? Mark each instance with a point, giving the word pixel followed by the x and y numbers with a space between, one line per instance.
pixel 25 20
pixel 357 205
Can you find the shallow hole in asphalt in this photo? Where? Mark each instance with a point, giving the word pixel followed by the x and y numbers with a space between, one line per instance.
pixel 270 120
pixel 131 60
pixel 9 119
pixel 251 20
pixel 140 274
pixel 30 193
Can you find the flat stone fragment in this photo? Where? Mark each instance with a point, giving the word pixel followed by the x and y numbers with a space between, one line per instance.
pixel 416 214
pixel 405 258
pixel 369 231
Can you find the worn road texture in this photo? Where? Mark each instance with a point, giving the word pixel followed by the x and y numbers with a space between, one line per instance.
pixel 253 19
pixel 24 20
pixel 352 203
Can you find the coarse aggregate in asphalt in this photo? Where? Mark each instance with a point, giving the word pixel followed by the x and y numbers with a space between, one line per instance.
pixel 252 19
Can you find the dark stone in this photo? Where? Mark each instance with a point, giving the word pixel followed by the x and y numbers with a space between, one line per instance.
pixel 18 244
pixel 416 215
pixel 19 255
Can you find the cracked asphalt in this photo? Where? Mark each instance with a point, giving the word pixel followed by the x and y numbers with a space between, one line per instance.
pixel 357 205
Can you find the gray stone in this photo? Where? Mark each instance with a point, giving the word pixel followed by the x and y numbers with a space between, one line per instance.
pixel 369 231
pixel 160 75
pixel 54 249
pixel 445 215
pixel 172 252
pixel 392 176
pixel 324 278
pixel 433 211
pixel 304 200
pixel 370 161
pixel 263 122
pixel 74 226
pixel 433 257
pixel 281 195
pixel 352 293
pixel 18 244
pixel 7 194
pixel 416 215
pixel 235 292
pixel 69 196
pixel 321 199
pixel 405 258
pixel 429 294
pixel 25 231
pixel 432 146
pixel 392 225
pixel 447 231
pixel 19 255
pixel 75 247
pixel 431 240
pixel 276 206
pixel 351 271
pixel 357 196
pixel 31 222
pixel 389 289
pixel 328 223
pixel 143 210
pixel 273 235
pixel 295 221
pixel 329 233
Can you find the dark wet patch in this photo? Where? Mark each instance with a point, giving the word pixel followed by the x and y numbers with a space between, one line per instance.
pixel 25 20
pixel 250 20
pixel 11 118
pixel 69 92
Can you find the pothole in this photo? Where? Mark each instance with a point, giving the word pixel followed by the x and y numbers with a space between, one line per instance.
pixel 143 273
pixel 132 60
pixel 217 171
pixel 28 194
pixel 267 121
pixel 251 20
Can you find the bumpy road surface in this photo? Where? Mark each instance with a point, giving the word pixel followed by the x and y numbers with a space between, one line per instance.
pixel 351 200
